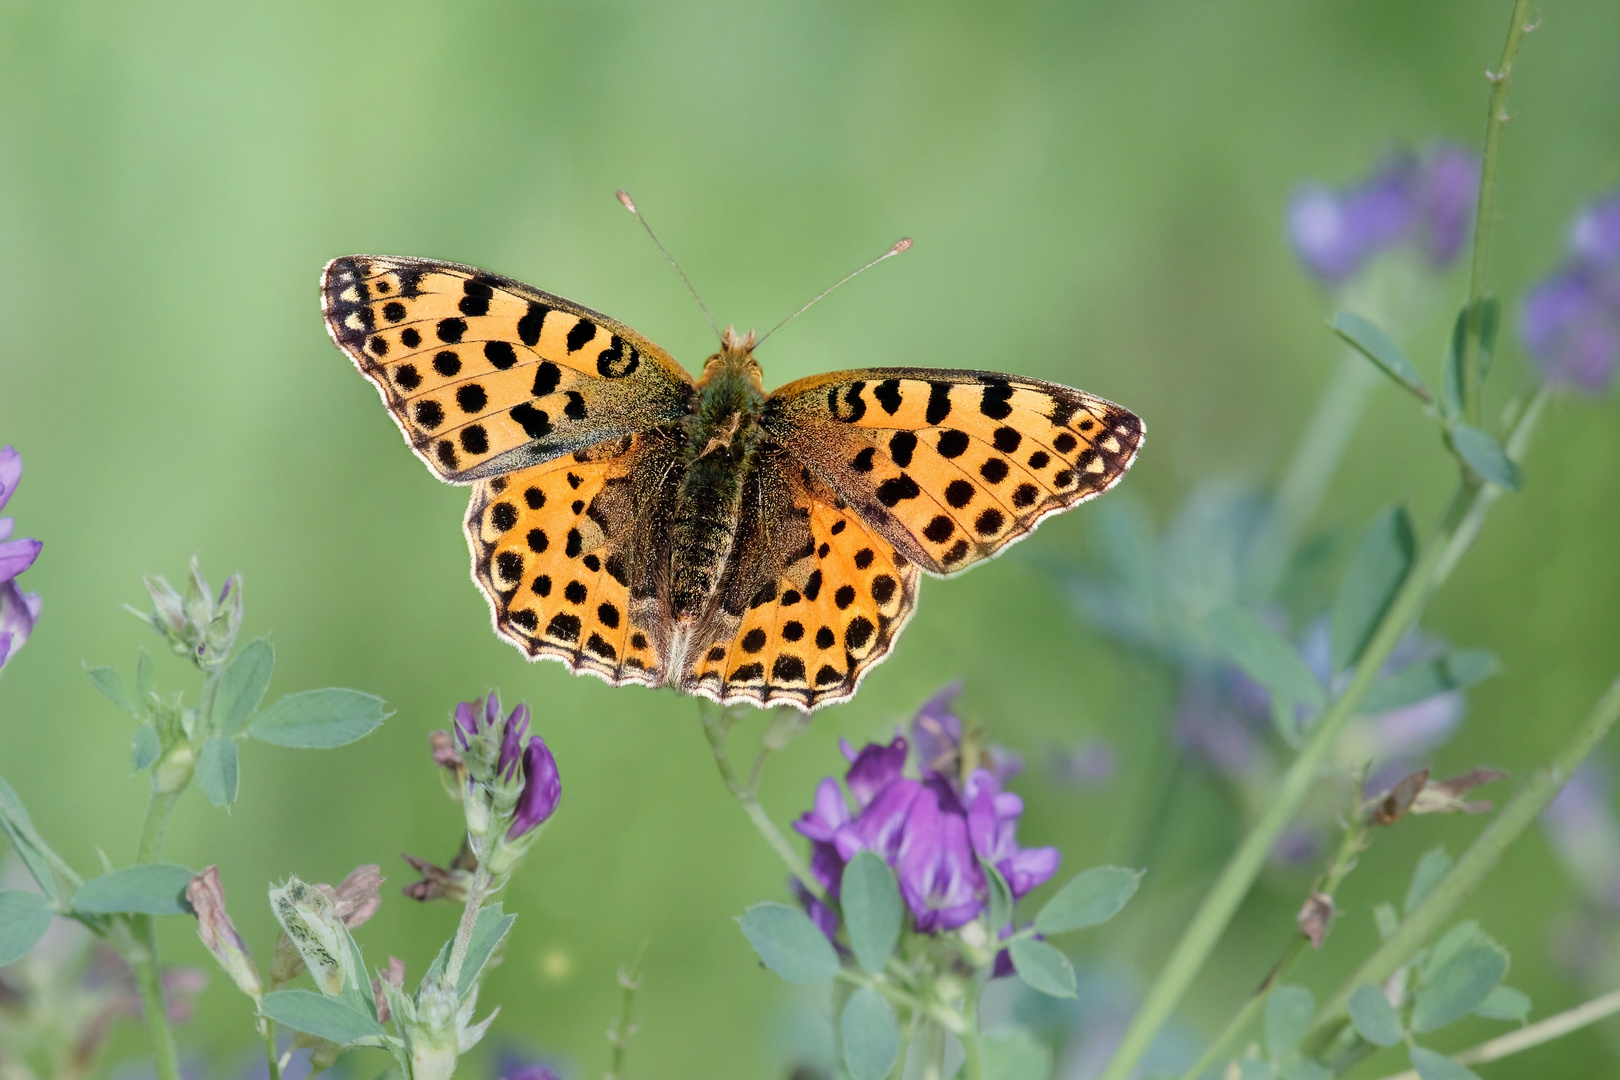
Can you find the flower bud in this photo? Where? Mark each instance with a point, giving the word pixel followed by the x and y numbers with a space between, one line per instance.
pixel 218 933
pixel 197 625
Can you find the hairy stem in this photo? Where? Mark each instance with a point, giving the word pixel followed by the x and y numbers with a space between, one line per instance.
pixel 469 919
pixel 143 964
pixel 1469 870
pixel 619 1032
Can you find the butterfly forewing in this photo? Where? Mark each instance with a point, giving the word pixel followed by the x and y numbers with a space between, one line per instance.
pixel 952 466
pixel 805 633
pixel 484 374
pixel 568 562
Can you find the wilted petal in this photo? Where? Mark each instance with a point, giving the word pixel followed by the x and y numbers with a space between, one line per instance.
pixel 206 896
pixel 1315 917
pixel 357 896
pixel 395 977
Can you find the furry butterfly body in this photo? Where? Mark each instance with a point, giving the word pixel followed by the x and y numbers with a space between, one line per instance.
pixel 645 527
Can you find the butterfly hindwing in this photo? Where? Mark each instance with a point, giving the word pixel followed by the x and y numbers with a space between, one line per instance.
pixel 952 466
pixel 567 561
pixel 832 598
pixel 486 375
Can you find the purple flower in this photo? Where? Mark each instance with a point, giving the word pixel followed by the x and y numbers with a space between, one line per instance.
pixel 513 1066
pixel 1424 201
pixel 1585 833
pixel 19 611
pixel 1571 321
pixel 932 831
pixel 542 786
pixel 943 746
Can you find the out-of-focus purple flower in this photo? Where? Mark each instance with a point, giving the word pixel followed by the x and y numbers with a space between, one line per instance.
pixel 1594 238
pixel 1571 321
pixel 1585 833
pixel 943 745
pixel 1091 764
pixel 542 788
pixel 1216 725
pixel 514 1066
pixel 19 611
pixel 1425 201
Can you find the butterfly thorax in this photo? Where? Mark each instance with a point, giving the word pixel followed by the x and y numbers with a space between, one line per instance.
pixel 722 438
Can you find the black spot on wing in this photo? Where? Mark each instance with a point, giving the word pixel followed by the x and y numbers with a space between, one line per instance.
pixel 535 423
pixel 887 394
pixel 529 326
pixel 939 402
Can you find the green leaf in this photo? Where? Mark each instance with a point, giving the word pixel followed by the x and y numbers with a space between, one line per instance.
pixel 1458 987
pixel 488 932
pixel 1490 320
pixel 1255 1068
pixel 1505 1003
pixel 1091 898
pixel 1433 1066
pixel 1451 403
pixel 1375 1018
pixel 145 746
pixel 789 943
pixel 1267 658
pixel 871 904
pixel 242 686
pixel 1369 340
pixel 319 719
pixel 24 918
pixel 1386 920
pixel 870 1035
pixel 1430 869
pixel 1000 908
pixel 327 1018
pixel 1042 967
pixel 109 683
pixel 1455 670
pixel 147 889
pixel 217 770
pixel 143 680
pixel 1014 1054
pixel 1288 1015
pixel 1485 456
pixel 1375 574
pixel 24 840
pixel 1462 936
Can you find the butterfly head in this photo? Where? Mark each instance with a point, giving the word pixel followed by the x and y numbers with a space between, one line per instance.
pixel 734 362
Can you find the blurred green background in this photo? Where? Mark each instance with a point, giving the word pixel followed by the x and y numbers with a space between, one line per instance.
pixel 1096 192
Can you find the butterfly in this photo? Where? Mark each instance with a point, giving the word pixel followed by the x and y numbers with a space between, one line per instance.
pixel 645 527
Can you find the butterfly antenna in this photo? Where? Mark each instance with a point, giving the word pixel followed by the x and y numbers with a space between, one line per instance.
pixel 629 204
pixel 902 245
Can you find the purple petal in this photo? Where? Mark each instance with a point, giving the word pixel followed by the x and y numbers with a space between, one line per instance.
pixel 1029 869
pixel 17 556
pixel 1321 234
pixel 10 472
pixel 466 724
pixel 19 611
pixel 936 732
pixel 1572 329
pixel 939 878
pixel 879 827
pixel 828 815
pixel 1450 191
pixel 542 789
pixel 517 726
pixel 875 768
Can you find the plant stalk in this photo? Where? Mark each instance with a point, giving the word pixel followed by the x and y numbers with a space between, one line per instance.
pixel 469 919
pixel 1495 118
pixel 143 964
pixel 1554 1027
pixel 1469 870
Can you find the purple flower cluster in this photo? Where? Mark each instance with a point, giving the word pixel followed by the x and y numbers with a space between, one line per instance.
pixel 933 829
pixel 542 785
pixel 1426 201
pixel 1571 321
pixel 18 610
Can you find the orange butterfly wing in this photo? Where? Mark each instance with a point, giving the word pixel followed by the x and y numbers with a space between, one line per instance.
pixel 484 374
pixel 952 466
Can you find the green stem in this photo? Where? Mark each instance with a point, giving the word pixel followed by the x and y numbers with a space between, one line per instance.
pixel 934 1053
pixel 269 1032
pixel 469 919
pixel 1469 870
pixel 1317 457
pixel 143 964
pixel 715 729
pixel 620 1032
pixel 1495 118
pixel 1554 1027
pixel 1344 860
pixel 970 1035
pixel 1223 900
pixel 155 829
